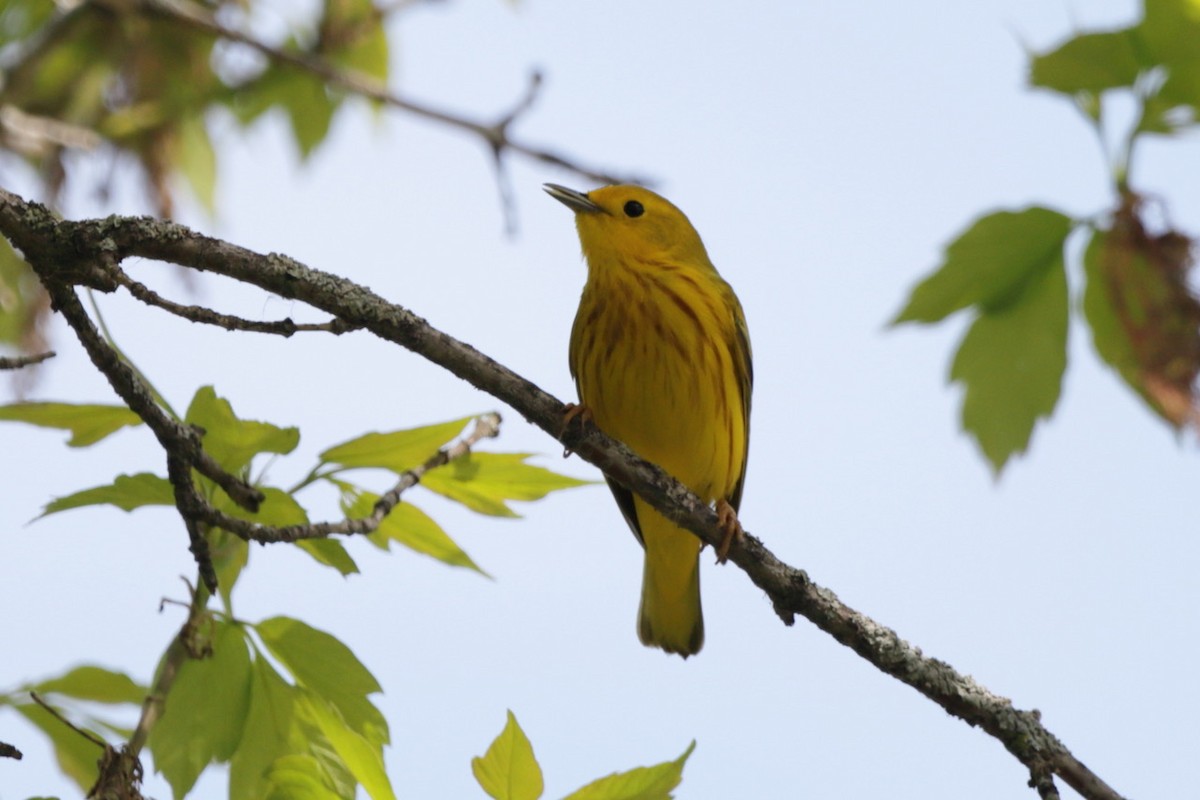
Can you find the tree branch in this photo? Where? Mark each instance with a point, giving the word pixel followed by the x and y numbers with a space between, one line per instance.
pixel 175 437
pixel 494 135
pixel 24 361
pixel 790 589
pixel 284 327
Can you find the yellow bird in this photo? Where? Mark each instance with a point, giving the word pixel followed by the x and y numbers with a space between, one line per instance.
pixel 660 354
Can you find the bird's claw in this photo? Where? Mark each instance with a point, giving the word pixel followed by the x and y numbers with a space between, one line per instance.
pixel 572 411
pixel 731 529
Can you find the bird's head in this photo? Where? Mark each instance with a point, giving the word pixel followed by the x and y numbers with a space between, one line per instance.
pixel 629 222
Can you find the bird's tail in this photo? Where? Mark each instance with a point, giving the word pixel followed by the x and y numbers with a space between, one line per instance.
pixel 670 617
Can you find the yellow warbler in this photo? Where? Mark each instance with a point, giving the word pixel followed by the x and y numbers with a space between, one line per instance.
pixel 660 354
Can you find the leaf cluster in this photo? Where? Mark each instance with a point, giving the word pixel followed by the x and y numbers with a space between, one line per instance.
pixel 1009 269
pixel 285 705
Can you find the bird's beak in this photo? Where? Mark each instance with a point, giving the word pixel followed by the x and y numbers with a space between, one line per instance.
pixel 576 201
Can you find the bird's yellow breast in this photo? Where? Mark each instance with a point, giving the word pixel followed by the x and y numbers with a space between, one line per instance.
pixel 652 353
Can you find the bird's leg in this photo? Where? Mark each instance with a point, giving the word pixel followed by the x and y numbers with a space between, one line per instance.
pixel 731 529
pixel 572 411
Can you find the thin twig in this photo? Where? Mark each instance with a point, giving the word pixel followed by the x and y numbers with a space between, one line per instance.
pixel 194 507
pixel 496 135
pixel 284 327
pixel 790 589
pixel 487 426
pixel 17 362
pixel 497 139
pixel 91 737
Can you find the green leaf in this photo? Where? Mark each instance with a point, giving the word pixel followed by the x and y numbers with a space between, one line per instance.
pixel 96 684
pixel 352 36
pixel 1011 364
pixel 205 711
pixel 1091 62
pixel 484 481
pixel 325 666
pixel 198 161
pixel 88 424
pixel 270 722
pixel 77 757
pixel 278 728
pixel 363 757
pixel 397 451
pixel 127 492
pixel 309 741
pixel 309 108
pixel 231 441
pixel 1108 335
pixel 68 78
pixel 331 553
pixel 229 556
pixel 642 783
pixel 281 509
pixel 990 263
pixel 508 770
pixel 369 55
pixel 298 777
pixel 278 508
pixel 257 95
pixel 1169 31
pixel 20 19
pixel 413 528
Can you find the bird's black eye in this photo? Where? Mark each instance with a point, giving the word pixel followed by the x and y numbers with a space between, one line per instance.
pixel 634 209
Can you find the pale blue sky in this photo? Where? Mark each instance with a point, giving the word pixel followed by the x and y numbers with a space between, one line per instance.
pixel 825 152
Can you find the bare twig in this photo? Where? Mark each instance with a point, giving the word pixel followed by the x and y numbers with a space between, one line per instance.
pixel 790 589
pixel 284 327
pixel 91 737
pixel 497 138
pixel 496 135
pixel 18 362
